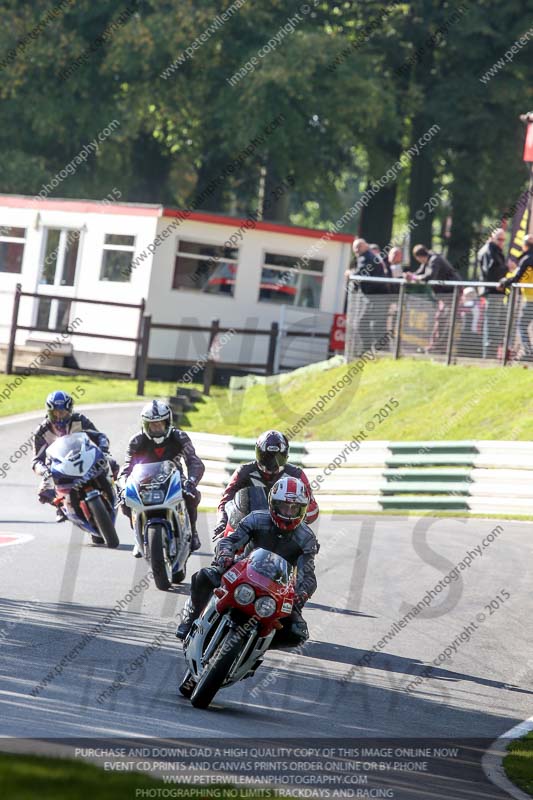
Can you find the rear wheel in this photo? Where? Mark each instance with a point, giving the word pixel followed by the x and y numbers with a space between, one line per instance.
pixel 161 565
pixel 103 521
pixel 217 670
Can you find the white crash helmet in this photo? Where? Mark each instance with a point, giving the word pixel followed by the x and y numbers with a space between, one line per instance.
pixel 156 421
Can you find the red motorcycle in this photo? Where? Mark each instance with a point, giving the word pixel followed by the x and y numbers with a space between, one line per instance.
pixel 228 641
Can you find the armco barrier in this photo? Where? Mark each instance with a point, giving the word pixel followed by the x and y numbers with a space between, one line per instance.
pixel 481 477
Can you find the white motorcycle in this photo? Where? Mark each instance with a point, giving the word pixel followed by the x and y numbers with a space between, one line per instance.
pixel 160 520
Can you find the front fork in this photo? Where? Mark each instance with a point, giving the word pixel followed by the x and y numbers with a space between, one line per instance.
pixel 140 530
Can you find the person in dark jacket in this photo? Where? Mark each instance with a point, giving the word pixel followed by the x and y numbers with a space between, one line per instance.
pixel 159 441
pixel 492 268
pixel 434 267
pixel 372 323
pixel 271 455
pixel 524 274
pixel 281 530
pixel 61 420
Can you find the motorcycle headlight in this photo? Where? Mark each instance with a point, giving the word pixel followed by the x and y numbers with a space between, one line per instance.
pixel 265 606
pixel 244 594
pixel 150 497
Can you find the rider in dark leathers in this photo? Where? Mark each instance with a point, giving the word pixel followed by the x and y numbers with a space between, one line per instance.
pixel 271 454
pixel 61 420
pixel 294 541
pixel 159 441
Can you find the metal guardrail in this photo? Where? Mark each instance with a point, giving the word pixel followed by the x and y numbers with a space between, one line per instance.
pixel 448 320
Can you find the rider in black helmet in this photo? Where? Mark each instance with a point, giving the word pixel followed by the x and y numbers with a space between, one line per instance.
pixel 271 455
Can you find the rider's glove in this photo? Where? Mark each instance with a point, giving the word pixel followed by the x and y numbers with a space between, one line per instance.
pixel 300 599
pixel 189 488
pixel 223 562
pixel 218 530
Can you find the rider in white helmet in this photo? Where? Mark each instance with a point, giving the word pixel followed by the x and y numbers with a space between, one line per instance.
pixel 160 441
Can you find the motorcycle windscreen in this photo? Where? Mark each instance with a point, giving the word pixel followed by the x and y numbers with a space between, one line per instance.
pixel 154 472
pixel 152 481
pixel 74 456
pixel 270 565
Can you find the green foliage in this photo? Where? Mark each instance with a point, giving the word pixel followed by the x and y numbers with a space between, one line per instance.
pixel 337 78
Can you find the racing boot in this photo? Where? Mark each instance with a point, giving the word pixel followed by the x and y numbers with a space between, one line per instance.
pixel 195 541
pixel 293 632
pixel 60 515
pixel 189 615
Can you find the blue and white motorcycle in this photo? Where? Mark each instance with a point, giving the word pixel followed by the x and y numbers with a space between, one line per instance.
pixel 85 490
pixel 160 520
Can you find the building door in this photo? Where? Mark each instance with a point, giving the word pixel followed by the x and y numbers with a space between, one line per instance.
pixel 57 276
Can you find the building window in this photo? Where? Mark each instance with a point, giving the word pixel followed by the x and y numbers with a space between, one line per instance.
pixel 12 241
pixel 206 268
pixel 285 280
pixel 116 260
pixel 60 257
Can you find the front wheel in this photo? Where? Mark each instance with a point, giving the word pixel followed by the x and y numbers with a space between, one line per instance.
pixel 218 669
pixel 161 565
pixel 186 687
pixel 179 576
pixel 104 523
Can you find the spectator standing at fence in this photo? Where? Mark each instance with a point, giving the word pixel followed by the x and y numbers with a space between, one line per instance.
pixel 394 263
pixel 395 270
pixel 372 322
pixel 471 317
pixel 524 274
pixel 434 267
pixel 492 268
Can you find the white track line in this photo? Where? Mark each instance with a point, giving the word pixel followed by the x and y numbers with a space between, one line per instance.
pixel 492 761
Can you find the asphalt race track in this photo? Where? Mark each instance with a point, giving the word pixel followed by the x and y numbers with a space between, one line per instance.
pixel 56 587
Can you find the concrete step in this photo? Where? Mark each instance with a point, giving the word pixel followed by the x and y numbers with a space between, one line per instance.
pixel 36 356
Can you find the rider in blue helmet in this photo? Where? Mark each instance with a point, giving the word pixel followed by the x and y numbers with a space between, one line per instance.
pixel 60 421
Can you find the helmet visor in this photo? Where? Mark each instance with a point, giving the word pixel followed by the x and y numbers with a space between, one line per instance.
pixel 58 415
pixel 272 461
pixel 290 510
pixel 158 427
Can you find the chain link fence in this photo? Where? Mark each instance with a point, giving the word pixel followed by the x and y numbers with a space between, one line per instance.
pixel 450 321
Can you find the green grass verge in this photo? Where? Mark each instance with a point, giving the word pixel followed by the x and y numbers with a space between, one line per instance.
pixel 28 777
pixel 518 764
pixel 434 402
pixel 31 393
